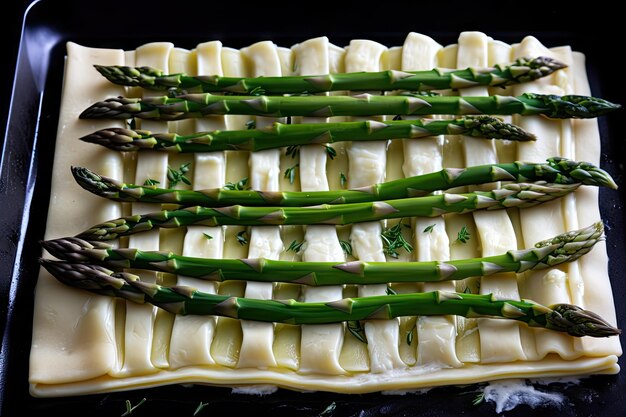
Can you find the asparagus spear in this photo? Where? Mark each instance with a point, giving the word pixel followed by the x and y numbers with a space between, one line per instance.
pixel 199 105
pixel 521 71
pixel 556 170
pixel 279 134
pixel 510 195
pixel 565 247
pixel 188 300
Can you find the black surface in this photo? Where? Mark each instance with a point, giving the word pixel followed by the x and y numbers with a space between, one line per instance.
pixel 26 167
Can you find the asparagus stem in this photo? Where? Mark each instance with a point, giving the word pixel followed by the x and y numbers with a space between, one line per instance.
pixel 521 71
pixel 199 105
pixel 556 170
pixel 187 300
pixel 566 247
pixel 282 135
pixel 510 195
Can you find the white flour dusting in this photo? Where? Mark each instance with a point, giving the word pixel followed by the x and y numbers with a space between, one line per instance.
pixel 508 394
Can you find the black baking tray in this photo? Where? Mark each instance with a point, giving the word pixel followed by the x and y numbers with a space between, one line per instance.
pixel 26 166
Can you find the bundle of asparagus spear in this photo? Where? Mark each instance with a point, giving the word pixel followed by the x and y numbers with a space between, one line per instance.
pixel 86 257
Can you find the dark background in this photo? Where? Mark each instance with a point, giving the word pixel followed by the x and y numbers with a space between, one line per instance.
pixel 118 24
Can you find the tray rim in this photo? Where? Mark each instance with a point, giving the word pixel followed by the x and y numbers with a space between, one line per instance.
pixel 28 188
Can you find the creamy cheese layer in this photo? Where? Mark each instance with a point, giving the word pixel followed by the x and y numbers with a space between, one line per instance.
pixel 83 343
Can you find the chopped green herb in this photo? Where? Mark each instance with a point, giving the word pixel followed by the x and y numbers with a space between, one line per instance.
pixel 332 153
pixel 409 337
pixel 150 182
pixel 242 238
pixel 391 291
pixel 292 150
pixel 208 236
pixel 176 176
pixel 132 124
pixel 464 235
pixel 467 290
pixel 295 246
pixel 429 229
pixel 130 408
pixel 346 247
pixel 251 124
pixel 257 91
pixel 342 179
pixel 291 173
pixel 239 186
pixel 357 330
pixel 328 410
pixel 199 408
pixel 393 240
pixel 479 399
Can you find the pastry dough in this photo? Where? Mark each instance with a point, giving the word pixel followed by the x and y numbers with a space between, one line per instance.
pixel 83 343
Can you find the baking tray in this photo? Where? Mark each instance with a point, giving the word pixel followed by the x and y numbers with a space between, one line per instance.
pixel 26 166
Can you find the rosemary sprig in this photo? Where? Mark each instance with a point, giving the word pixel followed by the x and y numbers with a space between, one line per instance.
pixel 150 182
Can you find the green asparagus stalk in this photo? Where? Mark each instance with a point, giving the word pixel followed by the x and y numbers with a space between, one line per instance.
pixel 510 195
pixel 521 71
pixel 199 105
pixel 188 300
pixel 565 247
pixel 280 134
pixel 556 170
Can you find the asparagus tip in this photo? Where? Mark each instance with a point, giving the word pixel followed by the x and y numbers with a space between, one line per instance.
pixel 531 69
pixel 583 172
pixel 96 184
pixel 574 106
pixel 579 322
pixel 129 76
pixel 496 128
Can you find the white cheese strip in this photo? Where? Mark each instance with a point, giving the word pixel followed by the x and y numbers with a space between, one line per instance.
pixel 367 162
pixel 141 319
pixel 226 343
pixel 499 341
pixel 209 167
pixel 436 335
pixel 320 345
pixel 468 342
pixel 500 53
pixel 65 318
pixel 546 220
pixel 419 52
pixel 311 57
pixel 265 241
pixel 594 266
pixel 192 335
